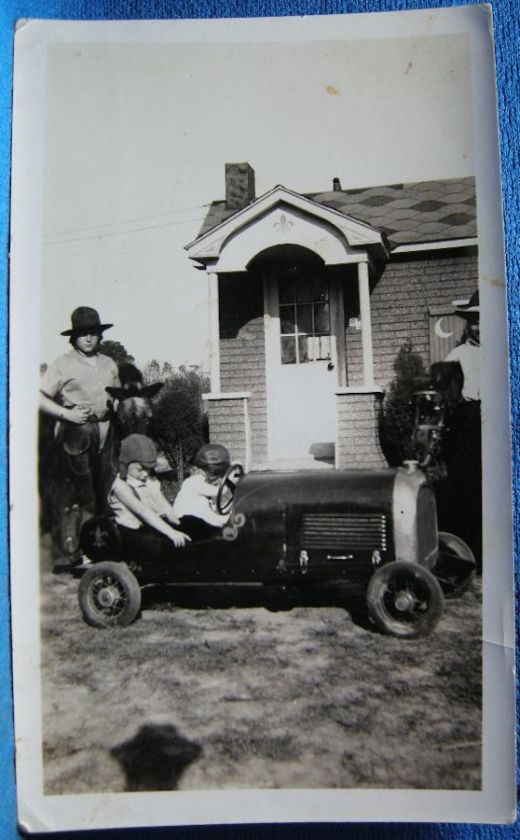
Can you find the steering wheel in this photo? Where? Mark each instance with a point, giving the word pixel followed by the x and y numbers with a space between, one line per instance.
pixel 227 487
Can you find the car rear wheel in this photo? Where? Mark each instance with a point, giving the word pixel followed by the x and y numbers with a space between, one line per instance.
pixel 456 566
pixel 109 595
pixel 404 600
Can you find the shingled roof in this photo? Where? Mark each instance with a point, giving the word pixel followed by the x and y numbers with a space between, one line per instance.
pixel 419 212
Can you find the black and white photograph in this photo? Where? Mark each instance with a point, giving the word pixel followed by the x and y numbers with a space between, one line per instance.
pixel 260 469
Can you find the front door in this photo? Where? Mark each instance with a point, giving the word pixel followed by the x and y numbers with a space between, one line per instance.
pixel 303 313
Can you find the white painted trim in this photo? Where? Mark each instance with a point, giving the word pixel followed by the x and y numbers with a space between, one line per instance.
pixel 366 324
pixel 272 349
pixel 214 330
pixel 360 389
pixel 247 425
pixel 441 245
pixel 356 233
pixel 284 225
pixel 338 329
pixel 227 395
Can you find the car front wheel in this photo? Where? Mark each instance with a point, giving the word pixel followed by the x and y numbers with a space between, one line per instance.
pixel 404 600
pixel 109 595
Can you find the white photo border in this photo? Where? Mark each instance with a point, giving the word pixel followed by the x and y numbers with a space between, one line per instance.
pixel 495 802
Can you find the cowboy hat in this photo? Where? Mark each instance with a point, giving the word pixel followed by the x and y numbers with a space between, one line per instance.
pixel 468 308
pixel 85 318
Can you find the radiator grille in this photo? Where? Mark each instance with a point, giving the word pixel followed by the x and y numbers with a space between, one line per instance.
pixel 343 531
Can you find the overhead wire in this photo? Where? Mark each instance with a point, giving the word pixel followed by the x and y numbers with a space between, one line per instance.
pixel 128 221
pixel 47 241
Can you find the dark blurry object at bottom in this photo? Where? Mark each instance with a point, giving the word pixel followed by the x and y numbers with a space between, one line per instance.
pixel 156 757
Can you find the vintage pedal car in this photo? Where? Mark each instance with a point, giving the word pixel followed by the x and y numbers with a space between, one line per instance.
pixel 296 530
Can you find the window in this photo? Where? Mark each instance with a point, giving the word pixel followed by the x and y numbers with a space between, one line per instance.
pixel 304 320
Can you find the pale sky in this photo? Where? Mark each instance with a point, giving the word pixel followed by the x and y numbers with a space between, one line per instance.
pixel 137 136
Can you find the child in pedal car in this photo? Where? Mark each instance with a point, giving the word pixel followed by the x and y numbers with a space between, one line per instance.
pixel 136 497
pixel 194 506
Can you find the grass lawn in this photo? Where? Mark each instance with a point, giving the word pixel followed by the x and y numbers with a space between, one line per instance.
pixel 232 695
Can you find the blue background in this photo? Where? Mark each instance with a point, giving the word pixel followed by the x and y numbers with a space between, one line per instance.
pixel 506 14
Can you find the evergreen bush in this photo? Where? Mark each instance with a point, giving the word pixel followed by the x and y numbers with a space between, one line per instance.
pixel 396 418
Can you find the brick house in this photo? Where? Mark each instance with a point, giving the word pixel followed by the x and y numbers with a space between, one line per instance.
pixel 310 299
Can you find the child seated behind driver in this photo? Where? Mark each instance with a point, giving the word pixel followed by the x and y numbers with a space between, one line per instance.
pixel 136 497
pixel 194 505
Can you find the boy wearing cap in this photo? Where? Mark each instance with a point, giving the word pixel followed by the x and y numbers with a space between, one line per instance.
pixel 136 497
pixel 193 504
pixel 73 392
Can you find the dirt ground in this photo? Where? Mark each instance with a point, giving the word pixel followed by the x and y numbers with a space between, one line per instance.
pixel 219 691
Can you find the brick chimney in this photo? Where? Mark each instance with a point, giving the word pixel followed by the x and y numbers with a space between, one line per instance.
pixel 240 185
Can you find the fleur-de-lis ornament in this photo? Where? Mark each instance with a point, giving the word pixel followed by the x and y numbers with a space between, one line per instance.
pixel 284 225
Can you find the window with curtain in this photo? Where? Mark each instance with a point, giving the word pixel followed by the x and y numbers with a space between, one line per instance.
pixel 304 320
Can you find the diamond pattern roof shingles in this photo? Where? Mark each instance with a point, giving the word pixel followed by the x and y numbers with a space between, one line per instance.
pixel 424 211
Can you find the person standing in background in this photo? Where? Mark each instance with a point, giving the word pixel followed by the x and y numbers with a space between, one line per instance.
pixel 463 436
pixel 72 391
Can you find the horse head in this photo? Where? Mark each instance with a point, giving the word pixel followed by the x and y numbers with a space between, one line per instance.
pixel 134 411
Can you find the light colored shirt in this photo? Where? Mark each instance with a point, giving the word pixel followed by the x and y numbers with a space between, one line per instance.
pixel 75 379
pixel 468 356
pixel 193 499
pixel 150 494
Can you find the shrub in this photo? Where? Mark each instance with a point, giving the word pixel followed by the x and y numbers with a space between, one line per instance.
pixel 179 417
pixel 396 419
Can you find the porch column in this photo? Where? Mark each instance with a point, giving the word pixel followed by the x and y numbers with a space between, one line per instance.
pixel 214 332
pixel 366 325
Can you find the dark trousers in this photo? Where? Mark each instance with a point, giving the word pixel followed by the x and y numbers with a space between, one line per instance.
pixel 78 481
pixel 197 528
pixel 145 544
pixel 462 449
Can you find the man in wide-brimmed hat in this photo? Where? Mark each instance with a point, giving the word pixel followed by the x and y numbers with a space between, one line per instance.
pixel 462 441
pixel 73 391
pixel 467 354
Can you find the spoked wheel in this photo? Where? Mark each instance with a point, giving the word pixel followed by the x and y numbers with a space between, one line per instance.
pixel 109 595
pixel 404 600
pixel 456 566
